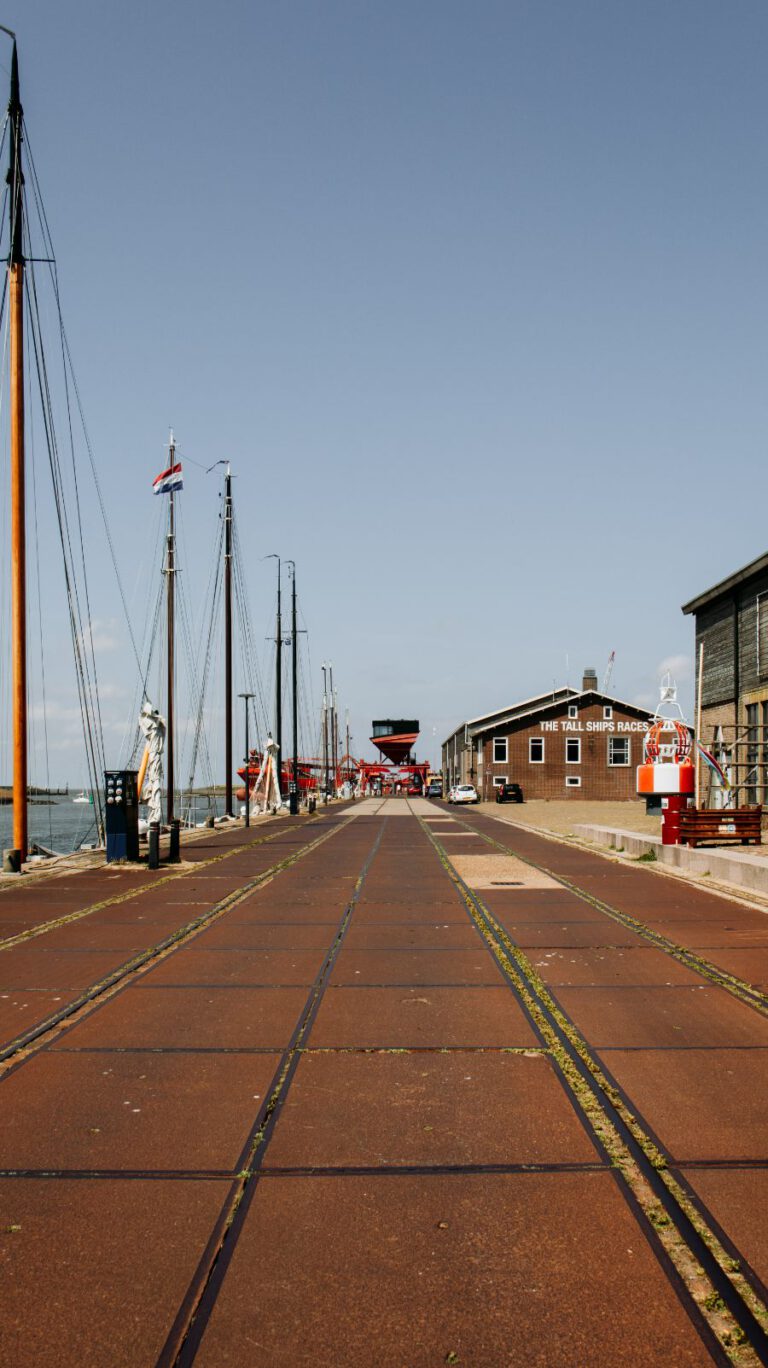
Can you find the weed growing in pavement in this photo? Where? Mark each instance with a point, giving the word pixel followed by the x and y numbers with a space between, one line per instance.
pixel 648 858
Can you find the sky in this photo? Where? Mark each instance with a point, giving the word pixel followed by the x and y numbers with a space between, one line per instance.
pixel 473 298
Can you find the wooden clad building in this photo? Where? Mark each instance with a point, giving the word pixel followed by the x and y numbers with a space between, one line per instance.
pixel 568 743
pixel 732 628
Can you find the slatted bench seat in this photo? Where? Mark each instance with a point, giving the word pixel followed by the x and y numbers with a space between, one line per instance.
pixel 723 826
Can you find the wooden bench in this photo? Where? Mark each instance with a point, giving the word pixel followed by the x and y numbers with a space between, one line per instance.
pixel 724 826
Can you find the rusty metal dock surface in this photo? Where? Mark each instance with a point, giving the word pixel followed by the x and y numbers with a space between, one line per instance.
pixel 389 1085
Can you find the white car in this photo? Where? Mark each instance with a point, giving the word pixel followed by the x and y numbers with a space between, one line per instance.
pixel 464 793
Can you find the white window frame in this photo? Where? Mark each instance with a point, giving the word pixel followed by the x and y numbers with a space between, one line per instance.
pixel 499 779
pixel 608 713
pixel 620 764
pixel 500 740
pixel 540 741
pixel 571 741
pixel 573 781
pixel 572 710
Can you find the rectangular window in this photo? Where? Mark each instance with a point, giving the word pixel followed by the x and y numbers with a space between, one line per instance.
pixel 618 750
pixel 573 750
pixel 753 753
pixel 499 779
pixel 607 713
pixel 573 781
pixel 499 750
pixel 572 710
pixel 536 750
pixel 761 635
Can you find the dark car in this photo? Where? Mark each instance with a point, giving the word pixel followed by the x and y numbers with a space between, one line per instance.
pixel 509 793
pixel 434 789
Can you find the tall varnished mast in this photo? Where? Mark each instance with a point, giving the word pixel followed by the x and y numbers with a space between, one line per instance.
pixel 170 570
pixel 18 523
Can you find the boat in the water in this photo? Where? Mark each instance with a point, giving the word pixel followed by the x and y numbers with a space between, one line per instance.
pixel 83 797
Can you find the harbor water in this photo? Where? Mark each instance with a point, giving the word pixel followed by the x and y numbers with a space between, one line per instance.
pixel 63 825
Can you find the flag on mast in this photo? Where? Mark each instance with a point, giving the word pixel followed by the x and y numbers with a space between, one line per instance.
pixel 169 479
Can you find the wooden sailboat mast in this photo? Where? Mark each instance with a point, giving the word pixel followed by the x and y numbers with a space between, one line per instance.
pixel 18 522
pixel 279 674
pixel 228 808
pixel 170 570
pixel 294 789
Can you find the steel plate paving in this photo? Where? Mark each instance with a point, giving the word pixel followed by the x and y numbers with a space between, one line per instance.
pixel 200 964
pixel 674 1017
pixel 190 1018
pixel 449 967
pixel 636 965
pixel 414 1018
pixel 432 1270
pixel 93 1270
pixel 365 1143
pixel 701 1104
pixel 125 1110
pixel 738 1200
pixel 425 1109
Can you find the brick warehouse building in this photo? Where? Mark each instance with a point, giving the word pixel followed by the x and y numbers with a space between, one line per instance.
pixel 567 743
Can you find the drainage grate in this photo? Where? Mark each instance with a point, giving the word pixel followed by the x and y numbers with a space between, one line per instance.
pixel 506 883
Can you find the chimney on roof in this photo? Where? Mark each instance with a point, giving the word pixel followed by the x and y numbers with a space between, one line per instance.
pixel 590 679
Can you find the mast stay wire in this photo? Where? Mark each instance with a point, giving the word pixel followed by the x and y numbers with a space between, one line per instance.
pixel 195 683
pixel 85 665
pixel 212 601
pixel 248 652
pixel 70 369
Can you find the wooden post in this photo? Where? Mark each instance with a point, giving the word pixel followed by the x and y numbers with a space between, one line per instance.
pixel 698 724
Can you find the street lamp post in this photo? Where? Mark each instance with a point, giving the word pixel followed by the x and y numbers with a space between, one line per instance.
pixel 247 697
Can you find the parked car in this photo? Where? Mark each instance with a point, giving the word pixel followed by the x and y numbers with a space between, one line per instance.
pixel 509 793
pixel 464 793
pixel 434 789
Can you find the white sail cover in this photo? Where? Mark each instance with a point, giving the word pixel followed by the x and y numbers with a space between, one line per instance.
pixel 152 726
pixel 266 791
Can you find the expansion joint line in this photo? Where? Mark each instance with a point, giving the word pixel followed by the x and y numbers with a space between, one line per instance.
pixel 34 931
pixel 183 1342
pixel 720 978
pixel 722 1298
pixel 98 993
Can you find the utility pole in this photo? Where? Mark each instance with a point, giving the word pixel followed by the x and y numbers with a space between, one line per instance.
pixel 325 734
pixel 170 570
pixel 247 697
pixel 18 516
pixel 228 807
pixel 293 791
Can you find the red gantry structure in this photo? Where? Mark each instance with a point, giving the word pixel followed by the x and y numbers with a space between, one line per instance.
pixel 398 771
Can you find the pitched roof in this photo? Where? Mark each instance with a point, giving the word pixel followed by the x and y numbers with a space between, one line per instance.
pixel 755 567
pixel 541 703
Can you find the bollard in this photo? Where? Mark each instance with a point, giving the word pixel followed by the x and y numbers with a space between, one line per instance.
pixel 154 845
pixel 175 842
pixel 11 861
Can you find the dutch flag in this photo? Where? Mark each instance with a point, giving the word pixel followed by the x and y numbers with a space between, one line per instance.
pixel 168 480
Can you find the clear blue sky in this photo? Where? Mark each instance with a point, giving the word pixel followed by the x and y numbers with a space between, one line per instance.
pixel 474 297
